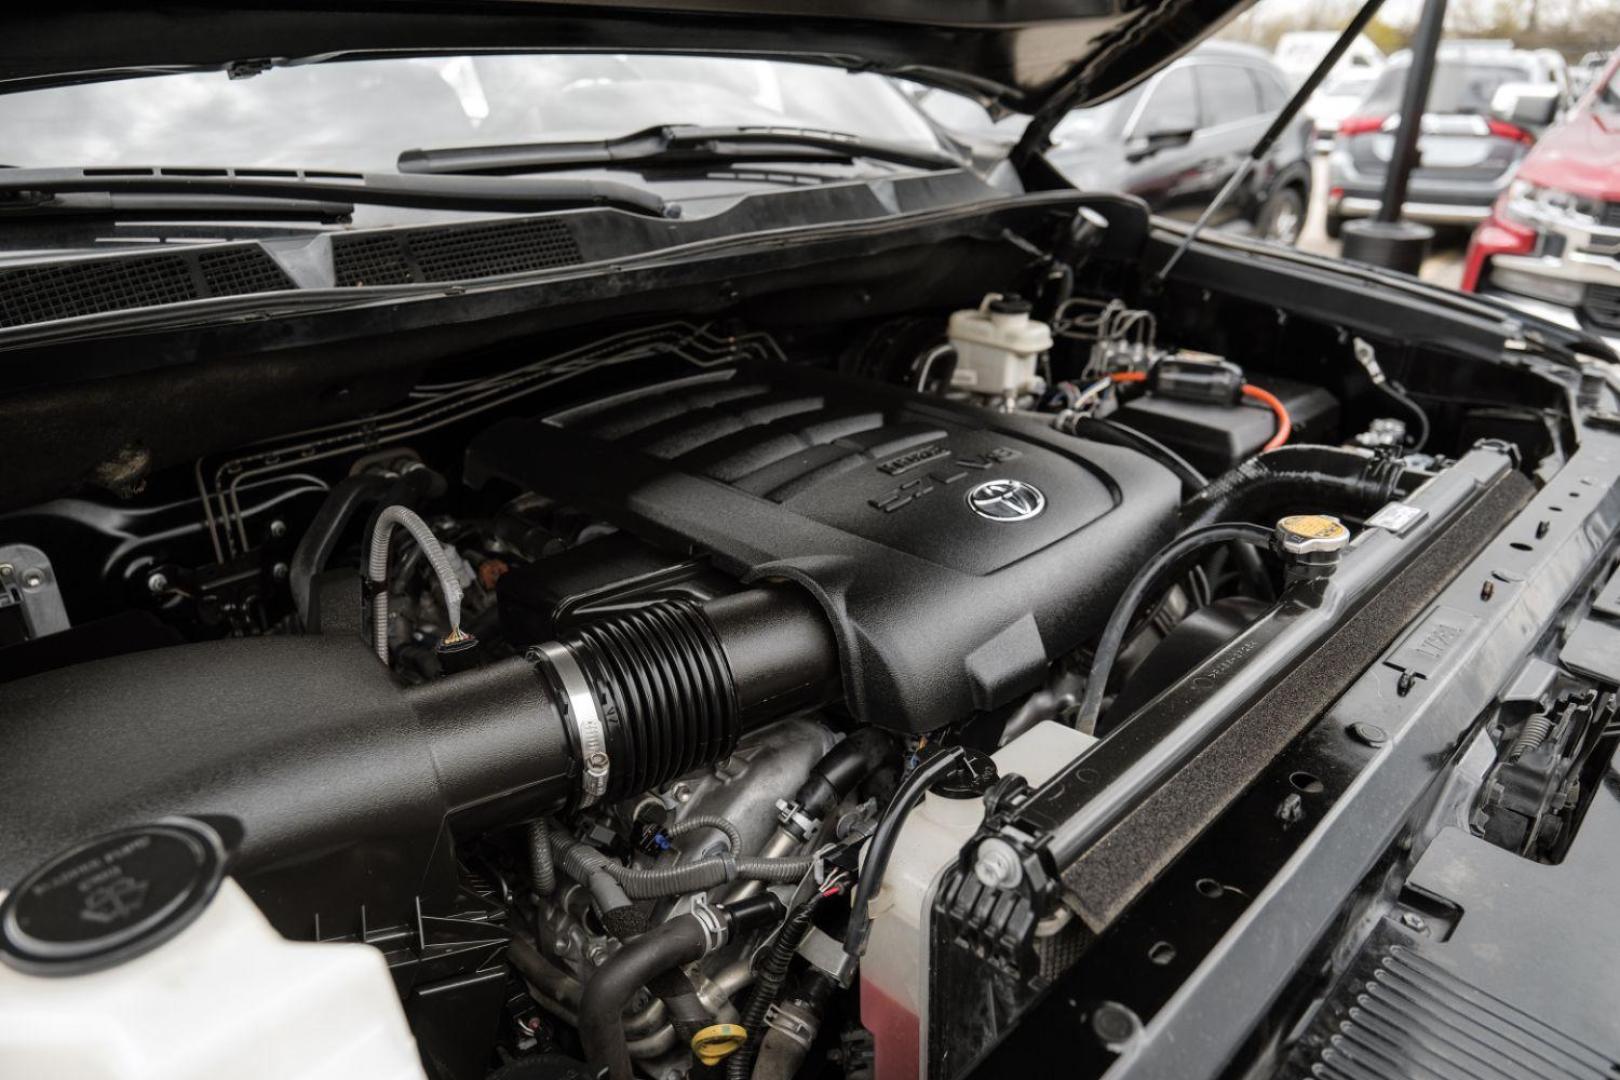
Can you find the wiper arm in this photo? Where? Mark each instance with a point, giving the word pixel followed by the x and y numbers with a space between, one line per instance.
pixel 672 145
pixel 91 204
pixel 24 187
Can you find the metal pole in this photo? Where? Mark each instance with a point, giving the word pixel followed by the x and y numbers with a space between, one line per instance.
pixel 1414 103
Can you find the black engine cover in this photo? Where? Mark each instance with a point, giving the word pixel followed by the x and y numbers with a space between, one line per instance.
pixel 862 494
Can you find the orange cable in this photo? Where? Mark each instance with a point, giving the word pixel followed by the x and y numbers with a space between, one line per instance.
pixel 1285 426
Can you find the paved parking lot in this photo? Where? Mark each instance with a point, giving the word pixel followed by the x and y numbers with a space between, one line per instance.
pixel 1444 265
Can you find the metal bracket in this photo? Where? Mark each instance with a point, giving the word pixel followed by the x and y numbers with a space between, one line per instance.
pixel 1002 885
pixel 27 582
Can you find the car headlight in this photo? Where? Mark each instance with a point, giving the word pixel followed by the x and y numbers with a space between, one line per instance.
pixel 1534 204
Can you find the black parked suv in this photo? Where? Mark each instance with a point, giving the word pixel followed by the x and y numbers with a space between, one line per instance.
pixel 1175 139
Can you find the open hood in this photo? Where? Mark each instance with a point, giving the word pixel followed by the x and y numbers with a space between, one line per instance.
pixel 1023 55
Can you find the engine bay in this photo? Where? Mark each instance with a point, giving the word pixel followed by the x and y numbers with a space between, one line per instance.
pixel 673 697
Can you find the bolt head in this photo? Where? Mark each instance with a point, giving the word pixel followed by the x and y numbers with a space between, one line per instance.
pixel 1368 734
pixel 1413 921
pixel 32 579
pixel 996 865
pixel 279 571
pixel 157 581
pixel 278 528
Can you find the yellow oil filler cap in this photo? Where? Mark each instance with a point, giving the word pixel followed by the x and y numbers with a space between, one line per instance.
pixel 714 1042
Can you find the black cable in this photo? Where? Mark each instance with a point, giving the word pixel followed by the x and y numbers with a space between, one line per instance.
pixel 1415 409
pixel 876 862
pixel 1107 431
pixel 1160 569
pixel 767 986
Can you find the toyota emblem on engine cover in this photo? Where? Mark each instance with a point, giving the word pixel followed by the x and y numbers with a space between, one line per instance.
pixel 1006 500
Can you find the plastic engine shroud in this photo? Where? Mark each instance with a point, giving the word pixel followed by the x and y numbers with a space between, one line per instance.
pixel 859 492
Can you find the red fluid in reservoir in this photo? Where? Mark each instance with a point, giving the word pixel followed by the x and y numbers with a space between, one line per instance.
pixel 896 1045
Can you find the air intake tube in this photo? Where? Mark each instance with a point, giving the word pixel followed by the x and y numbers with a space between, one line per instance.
pixel 323 770
pixel 649 694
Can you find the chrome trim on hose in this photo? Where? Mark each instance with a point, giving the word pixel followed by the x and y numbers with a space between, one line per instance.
pixel 588 728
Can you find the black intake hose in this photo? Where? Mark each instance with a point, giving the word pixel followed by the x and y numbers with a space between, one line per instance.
pixel 655 692
pixel 645 959
pixel 1323 479
pixel 225 729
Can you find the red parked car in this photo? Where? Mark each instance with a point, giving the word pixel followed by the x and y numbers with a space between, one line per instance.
pixel 1551 243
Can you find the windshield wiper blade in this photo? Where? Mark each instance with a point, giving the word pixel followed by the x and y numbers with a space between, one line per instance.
pixel 672 145
pixel 23 187
pixel 135 207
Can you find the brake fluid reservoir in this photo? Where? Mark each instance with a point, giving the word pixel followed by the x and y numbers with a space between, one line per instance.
pixel 131 957
pixel 997 346
pixel 892 971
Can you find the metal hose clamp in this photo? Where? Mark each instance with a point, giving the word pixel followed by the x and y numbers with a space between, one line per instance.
pixel 588 727
pixel 716 929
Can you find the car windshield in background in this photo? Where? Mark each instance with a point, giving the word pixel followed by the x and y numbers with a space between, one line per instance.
pixel 359 115
pixel 1459 86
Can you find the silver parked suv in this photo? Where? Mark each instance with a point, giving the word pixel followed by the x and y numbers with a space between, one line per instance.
pixel 1467 156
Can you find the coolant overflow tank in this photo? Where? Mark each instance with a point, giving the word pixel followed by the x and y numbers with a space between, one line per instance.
pixel 893 971
pixel 997 345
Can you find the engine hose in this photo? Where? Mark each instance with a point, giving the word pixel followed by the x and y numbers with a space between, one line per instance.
pixel 1154 576
pixel 588 866
pixel 652 883
pixel 842 768
pixel 681 940
pixel 381 533
pixel 542 871
pixel 767 986
pixel 876 861
pixel 793 1028
pixel 678 941
pixel 707 821
pixel 1296 477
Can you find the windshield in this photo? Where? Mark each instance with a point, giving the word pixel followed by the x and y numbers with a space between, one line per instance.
pixel 1355 86
pixel 359 115
pixel 1458 87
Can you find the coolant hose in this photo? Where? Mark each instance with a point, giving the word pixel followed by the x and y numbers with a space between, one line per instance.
pixel 681 940
pixel 400 516
pixel 842 768
pixel 1154 576
pixel 1293 477
pixel 652 883
pixel 767 986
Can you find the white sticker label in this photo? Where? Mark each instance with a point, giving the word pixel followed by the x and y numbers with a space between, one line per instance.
pixel 1397 517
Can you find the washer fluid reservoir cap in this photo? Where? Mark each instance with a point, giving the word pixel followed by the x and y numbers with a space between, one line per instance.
pixel 972 775
pixel 111 898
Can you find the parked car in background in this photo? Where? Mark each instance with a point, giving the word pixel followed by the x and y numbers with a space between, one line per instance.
pixel 1467 153
pixel 1298 52
pixel 1339 96
pixel 1174 140
pixel 1584 72
pixel 1552 240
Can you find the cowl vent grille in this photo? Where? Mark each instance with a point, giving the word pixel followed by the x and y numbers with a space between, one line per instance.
pixel 454 252
pixel 37 294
